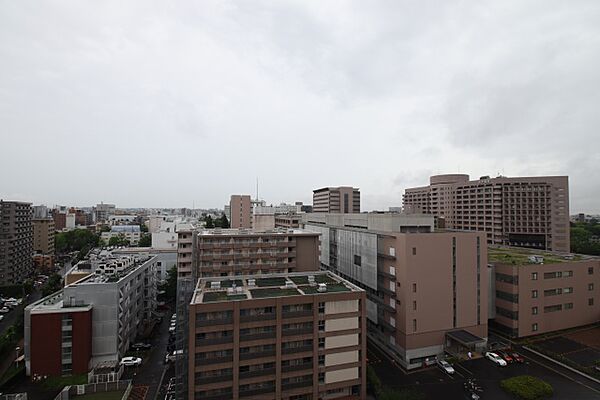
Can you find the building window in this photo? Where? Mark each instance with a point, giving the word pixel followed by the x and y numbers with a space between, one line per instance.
pixel 321 308
pixel 591 301
pixel 414 251
pixel 590 286
pixel 534 310
pixel 590 270
pixel 357 260
pixel 414 305
pixel 567 274
pixel 534 276
pixel 414 325
pixel 568 306
pixel 322 343
pixel 554 308
pixel 534 294
pixel 321 377
pixel 534 327
pixel 414 288
pixel 321 360
pixel 568 290
pixel 321 325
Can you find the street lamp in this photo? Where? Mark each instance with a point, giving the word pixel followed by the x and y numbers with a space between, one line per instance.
pixel 17 359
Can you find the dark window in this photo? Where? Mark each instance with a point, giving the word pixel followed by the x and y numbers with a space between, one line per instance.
pixel 534 310
pixel 513 280
pixel 357 260
pixel 590 286
pixel 591 270
pixel 514 315
pixel 534 294
pixel 568 306
pixel 414 288
pixel 513 298
pixel 534 276
pixel 557 307
pixel 591 301
pixel 414 251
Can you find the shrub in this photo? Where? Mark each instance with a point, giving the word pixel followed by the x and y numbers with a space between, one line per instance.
pixel 373 382
pixel 527 387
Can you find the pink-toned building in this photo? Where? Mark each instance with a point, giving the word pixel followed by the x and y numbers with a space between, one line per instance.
pixel 537 293
pixel 343 199
pixel 427 291
pixel 240 206
pixel 523 211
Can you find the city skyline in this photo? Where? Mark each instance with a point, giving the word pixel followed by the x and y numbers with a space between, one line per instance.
pixel 116 100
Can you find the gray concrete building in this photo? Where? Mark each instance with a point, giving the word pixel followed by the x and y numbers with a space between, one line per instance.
pixel 16 242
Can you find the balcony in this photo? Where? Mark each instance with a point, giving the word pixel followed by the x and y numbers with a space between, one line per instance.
pixel 259 354
pixel 295 385
pixel 291 332
pixel 260 317
pixel 209 322
pixel 261 372
pixel 296 314
pixel 292 350
pixel 213 379
pixel 301 367
pixel 257 336
pixel 213 341
pixel 214 360
pixel 253 392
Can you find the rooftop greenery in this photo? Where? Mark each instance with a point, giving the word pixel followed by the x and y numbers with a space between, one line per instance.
pixel 518 256
pixel 336 287
pixel 303 280
pixel 222 296
pixel 261 282
pixel 273 292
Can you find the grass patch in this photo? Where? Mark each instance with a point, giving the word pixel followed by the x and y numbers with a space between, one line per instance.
pixel 59 382
pixel 262 282
pixel 221 296
pixel 303 280
pixel 114 395
pixel 11 373
pixel 517 256
pixel 273 292
pixel 337 287
pixel 527 387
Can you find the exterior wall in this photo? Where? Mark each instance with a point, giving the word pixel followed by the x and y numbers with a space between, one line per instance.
pixel 287 221
pixel 343 199
pixel 521 319
pixel 523 211
pixel 45 343
pixel 164 240
pixel 241 211
pixel 346 368
pixel 263 222
pixel 16 242
pixel 43 236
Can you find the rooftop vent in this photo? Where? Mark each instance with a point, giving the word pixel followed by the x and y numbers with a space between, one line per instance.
pixel 289 284
pixel 536 259
pixel 322 287
pixel 215 285
pixel 239 289
pixel 251 282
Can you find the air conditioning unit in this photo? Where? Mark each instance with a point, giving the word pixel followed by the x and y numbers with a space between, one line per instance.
pixel 322 287
pixel 289 284
pixel 251 282
pixel 215 285
pixel 239 290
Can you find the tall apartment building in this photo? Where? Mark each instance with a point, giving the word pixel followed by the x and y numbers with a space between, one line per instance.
pixel 93 319
pixel 427 291
pixel 280 336
pixel 103 211
pixel 228 252
pixel 524 211
pixel 240 209
pixel 16 242
pixel 541 292
pixel 43 236
pixel 343 199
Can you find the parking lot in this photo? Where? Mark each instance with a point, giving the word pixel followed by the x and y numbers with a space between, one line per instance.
pixel 435 384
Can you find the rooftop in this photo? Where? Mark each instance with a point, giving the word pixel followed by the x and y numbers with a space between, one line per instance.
pixel 218 289
pixel 252 232
pixel 54 303
pixel 525 256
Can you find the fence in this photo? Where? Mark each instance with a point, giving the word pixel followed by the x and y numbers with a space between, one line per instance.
pixel 14 396
pixel 72 391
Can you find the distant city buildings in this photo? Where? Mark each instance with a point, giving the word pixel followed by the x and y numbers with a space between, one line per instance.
pixel 279 336
pixel 43 242
pixel 343 200
pixel 16 242
pixel 132 233
pixel 103 211
pixel 522 211
pixel 93 319
pixel 426 291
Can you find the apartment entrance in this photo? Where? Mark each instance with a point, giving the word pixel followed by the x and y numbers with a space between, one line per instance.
pixel 460 342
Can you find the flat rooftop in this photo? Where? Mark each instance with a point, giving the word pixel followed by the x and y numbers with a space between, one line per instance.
pixel 521 256
pixel 54 303
pixel 252 232
pixel 268 286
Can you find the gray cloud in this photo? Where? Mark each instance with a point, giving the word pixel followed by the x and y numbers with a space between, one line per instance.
pixel 159 104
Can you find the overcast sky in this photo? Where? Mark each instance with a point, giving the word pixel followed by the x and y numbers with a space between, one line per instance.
pixel 169 104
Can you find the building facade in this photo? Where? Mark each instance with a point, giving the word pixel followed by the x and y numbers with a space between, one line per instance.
pixel 119 291
pixel 424 289
pixel 289 221
pixel 343 200
pixel 240 208
pixel 16 242
pixel 524 211
pixel 132 233
pixel 281 336
pixel 543 292
pixel 43 236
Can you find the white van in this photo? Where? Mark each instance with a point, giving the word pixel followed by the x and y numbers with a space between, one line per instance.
pixel 171 357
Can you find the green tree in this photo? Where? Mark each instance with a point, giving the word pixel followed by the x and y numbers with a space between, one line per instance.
pixel 75 240
pixel 145 240
pixel 170 285
pixel 208 222
pixel 119 240
pixel 224 221
pixel 53 284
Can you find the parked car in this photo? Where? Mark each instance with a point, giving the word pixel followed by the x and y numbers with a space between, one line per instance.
pixel 4 310
pixel 172 329
pixel 171 357
pixel 517 357
pixel 131 361
pixel 141 346
pixel 506 356
pixel 445 366
pixel 495 358
pixel 1 317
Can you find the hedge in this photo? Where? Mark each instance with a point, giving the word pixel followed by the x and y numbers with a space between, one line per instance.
pixel 527 387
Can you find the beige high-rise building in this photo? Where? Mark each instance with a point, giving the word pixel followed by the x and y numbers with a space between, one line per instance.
pixel 343 200
pixel 16 242
pixel 240 209
pixel 280 336
pixel 523 211
pixel 427 292
pixel 43 236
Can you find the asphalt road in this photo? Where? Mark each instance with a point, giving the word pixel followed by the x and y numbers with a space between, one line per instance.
pixel 435 384
pixel 153 367
pixel 11 317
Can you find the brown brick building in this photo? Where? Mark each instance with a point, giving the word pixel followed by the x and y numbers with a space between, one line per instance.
pixel 277 337
pixel 240 208
pixel 522 211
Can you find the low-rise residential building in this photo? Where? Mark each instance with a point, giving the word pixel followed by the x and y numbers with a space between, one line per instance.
pixel 94 318
pixel 539 292
pixel 426 290
pixel 131 233
pixel 278 336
